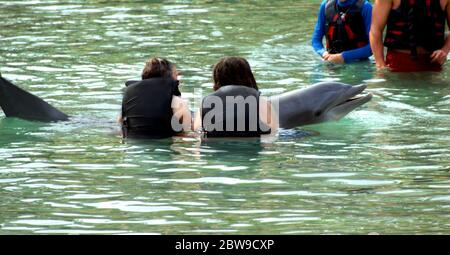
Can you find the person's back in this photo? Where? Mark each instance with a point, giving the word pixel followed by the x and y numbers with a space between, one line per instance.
pixel 148 105
pixel 146 108
pixel 235 107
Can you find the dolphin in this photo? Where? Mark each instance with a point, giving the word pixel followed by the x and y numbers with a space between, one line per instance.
pixel 16 102
pixel 318 103
pixel 321 102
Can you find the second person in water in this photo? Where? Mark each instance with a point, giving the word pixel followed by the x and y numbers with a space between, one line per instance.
pixel 235 108
pixel 346 26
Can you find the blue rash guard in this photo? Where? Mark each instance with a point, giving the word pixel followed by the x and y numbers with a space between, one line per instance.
pixel 351 55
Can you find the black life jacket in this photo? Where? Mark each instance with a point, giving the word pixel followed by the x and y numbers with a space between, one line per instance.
pixel 416 23
pixel 246 122
pixel 147 108
pixel 345 29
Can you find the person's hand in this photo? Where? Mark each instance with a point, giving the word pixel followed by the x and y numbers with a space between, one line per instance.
pixel 381 65
pixel 326 55
pixel 439 56
pixel 336 59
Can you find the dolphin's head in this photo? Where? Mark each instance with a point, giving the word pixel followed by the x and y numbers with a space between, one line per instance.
pixel 326 101
pixel 342 100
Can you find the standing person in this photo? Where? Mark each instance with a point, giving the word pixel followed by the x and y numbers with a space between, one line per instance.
pixel 346 26
pixel 415 37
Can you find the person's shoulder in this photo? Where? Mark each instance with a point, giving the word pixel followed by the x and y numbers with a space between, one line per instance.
pixel 323 5
pixel 367 4
pixel 177 103
pixel 367 7
pixel 177 99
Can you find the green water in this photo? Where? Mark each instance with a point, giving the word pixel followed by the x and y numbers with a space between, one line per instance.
pixel 385 168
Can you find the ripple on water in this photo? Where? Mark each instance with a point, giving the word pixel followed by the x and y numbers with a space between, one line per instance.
pixel 46 69
pixel 60 205
pixel 226 168
pixel 324 175
pixel 146 222
pixel 414 168
pixel 175 170
pixel 374 80
pixel 211 231
pixel 13 180
pixel 90 196
pixel 134 206
pixel 225 180
pixel 324 157
pixel 36 222
pixel 21 77
pixel 305 194
pixel 280 220
pixel 441 198
pixel 245 211
pixel 80 232
pixel 182 9
pixel 365 182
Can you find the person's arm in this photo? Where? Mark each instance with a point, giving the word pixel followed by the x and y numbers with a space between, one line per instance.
pixel 366 51
pixel 357 54
pixel 181 113
pixel 380 15
pixel 440 56
pixel 268 114
pixel 319 32
pixel 197 121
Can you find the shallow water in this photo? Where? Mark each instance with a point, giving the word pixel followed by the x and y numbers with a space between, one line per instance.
pixel 383 169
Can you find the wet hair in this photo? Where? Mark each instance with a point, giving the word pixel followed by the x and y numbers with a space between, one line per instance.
pixel 158 67
pixel 233 71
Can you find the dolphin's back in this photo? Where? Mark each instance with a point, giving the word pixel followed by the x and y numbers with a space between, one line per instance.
pixel 16 102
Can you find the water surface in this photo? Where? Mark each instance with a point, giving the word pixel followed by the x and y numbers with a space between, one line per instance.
pixel 385 168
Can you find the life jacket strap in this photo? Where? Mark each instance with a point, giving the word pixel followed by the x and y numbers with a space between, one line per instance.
pixel 125 126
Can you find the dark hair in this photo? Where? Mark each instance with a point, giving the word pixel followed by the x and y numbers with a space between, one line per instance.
pixel 233 71
pixel 157 67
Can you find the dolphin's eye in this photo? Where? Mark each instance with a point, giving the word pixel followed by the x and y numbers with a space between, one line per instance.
pixel 318 113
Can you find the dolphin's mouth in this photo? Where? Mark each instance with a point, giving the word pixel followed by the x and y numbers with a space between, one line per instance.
pixel 356 97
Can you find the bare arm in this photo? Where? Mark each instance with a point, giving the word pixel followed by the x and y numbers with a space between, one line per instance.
pixel 197 121
pixel 380 15
pixel 268 114
pixel 440 56
pixel 446 47
pixel 181 113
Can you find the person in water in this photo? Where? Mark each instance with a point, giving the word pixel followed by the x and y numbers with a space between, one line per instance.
pixel 152 107
pixel 415 37
pixel 346 25
pixel 235 108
